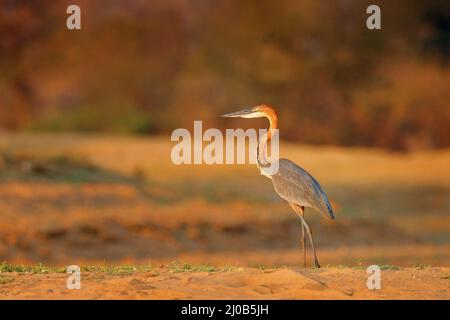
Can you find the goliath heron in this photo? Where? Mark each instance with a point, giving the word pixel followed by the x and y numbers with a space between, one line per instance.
pixel 293 183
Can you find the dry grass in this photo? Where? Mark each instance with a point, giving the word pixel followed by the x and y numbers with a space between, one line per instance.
pixel 96 199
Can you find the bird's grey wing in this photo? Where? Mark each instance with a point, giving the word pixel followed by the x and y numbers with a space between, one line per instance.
pixel 296 185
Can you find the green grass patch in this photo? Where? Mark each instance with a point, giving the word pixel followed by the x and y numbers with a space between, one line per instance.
pixel 177 267
pixel 42 268
pixel 362 267
pixel 389 267
pixel 118 269
pixel 38 268
pixel 174 267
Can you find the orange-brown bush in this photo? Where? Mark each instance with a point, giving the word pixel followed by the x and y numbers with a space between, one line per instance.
pixel 137 67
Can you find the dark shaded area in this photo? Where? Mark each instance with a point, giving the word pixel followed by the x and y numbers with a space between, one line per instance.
pixel 61 169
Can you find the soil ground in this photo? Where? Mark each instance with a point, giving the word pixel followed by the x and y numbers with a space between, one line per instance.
pixel 242 283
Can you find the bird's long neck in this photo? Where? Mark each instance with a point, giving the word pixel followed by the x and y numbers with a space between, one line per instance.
pixel 264 140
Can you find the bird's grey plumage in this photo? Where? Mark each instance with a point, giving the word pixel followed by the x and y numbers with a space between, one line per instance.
pixel 291 182
pixel 296 185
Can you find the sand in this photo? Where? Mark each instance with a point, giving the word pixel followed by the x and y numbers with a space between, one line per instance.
pixel 243 283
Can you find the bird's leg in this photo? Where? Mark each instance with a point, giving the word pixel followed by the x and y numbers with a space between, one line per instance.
pixel 301 211
pixel 304 244
pixel 308 231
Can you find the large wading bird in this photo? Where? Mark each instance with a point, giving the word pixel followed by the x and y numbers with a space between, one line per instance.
pixel 293 183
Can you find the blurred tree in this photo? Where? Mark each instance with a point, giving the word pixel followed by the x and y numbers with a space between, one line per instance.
pixel 436 18
pixel 23 24
pixel 149 67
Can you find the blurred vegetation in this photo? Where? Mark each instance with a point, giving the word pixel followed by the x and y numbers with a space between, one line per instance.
pixel 147 67
pixel 57 169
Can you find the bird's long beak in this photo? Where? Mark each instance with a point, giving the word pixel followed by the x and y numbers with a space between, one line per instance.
pixel 243 113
